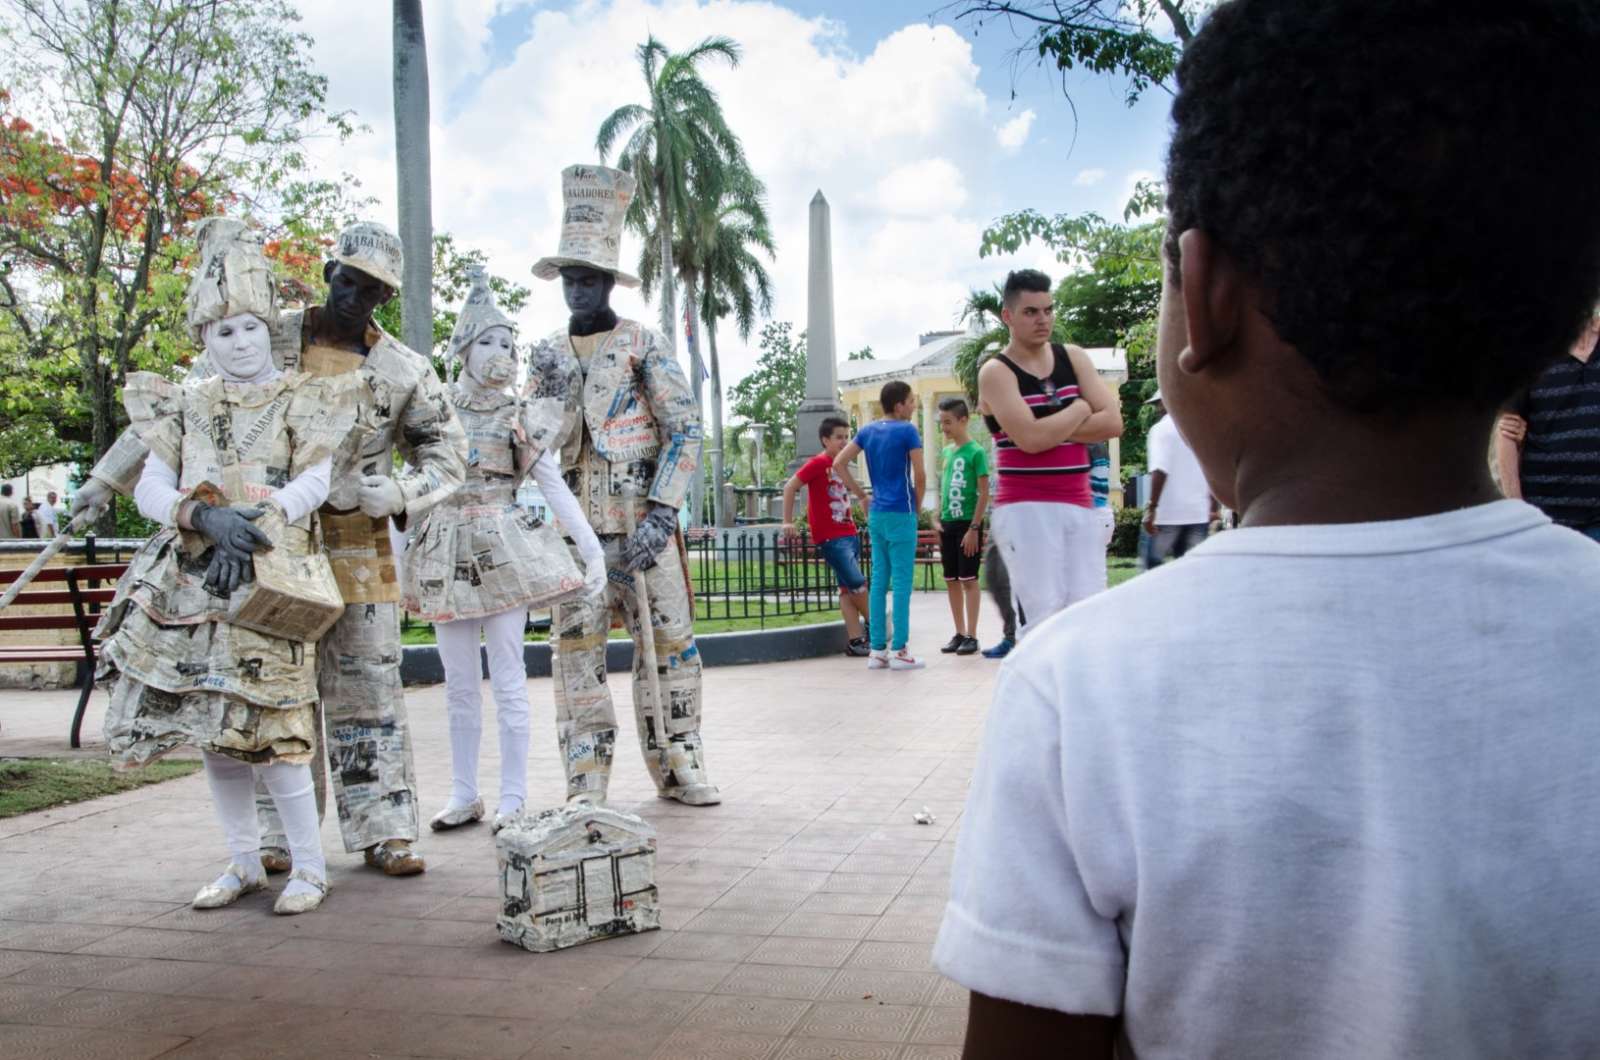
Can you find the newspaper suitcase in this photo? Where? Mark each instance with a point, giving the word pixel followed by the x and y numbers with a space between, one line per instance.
pixel 576 874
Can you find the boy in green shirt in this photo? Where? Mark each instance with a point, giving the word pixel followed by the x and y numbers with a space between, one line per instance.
pixel 963 500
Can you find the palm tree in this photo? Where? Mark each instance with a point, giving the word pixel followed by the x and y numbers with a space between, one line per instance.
pixel 412 171
pixel 681 132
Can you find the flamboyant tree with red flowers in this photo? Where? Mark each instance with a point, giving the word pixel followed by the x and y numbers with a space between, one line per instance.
pixel 122 123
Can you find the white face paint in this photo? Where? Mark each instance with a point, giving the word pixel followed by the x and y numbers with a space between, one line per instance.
pixel 491 360
pixel 240 348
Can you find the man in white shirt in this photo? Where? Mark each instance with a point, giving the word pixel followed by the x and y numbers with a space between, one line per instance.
pixel 46 515
pixel 1181 508
pixel 1344 802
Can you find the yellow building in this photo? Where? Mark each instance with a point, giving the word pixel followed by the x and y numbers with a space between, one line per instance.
pixel 930 371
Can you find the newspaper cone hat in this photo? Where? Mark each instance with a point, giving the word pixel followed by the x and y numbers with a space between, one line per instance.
pixel 478 314
pixel 232 276
pixel 595 201
pixel 374 249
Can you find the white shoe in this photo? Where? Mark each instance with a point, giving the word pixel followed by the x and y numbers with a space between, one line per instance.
pixel 692 794
pixel 233 884
pixel 878 660
pixel 455 817
pixel 502 819
pixel 904 660
pixel 295 904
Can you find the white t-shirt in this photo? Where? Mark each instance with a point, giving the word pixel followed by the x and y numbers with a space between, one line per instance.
pixel 1329 792
pixel 46 515
pixel 1185 497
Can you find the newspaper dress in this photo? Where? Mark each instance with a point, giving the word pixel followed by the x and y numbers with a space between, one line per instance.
pixel 177 673
pixel 477 552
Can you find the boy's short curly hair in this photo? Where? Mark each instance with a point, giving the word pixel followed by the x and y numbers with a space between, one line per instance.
pixel 1414 186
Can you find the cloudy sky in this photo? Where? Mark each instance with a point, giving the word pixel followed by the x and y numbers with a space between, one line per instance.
pixel 906 122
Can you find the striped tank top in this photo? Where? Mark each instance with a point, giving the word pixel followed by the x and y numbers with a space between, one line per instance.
pixel 1059 475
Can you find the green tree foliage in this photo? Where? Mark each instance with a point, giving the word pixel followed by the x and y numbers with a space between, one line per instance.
pixel 863 354
pixel 150 114
pixel 772 392
pixel 1136 40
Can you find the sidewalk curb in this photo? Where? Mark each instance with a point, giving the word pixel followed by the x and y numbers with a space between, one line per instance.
pixel 420 663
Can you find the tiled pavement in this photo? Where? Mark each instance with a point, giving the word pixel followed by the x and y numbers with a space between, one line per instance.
pixel 798 916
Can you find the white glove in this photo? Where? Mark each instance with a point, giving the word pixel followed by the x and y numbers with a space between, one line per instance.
pixel 92 494
pixel 380 496
pixel 594 575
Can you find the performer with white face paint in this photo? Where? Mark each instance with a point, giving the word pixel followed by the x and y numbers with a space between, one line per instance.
pixel 478 562
pixel 179 671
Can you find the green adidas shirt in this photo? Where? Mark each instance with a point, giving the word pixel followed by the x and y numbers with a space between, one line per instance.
pixel 958 481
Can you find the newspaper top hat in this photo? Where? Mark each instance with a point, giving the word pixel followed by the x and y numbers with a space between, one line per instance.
pixel 596 200
pixel 374 249
pixel 233 275
pixel 478 314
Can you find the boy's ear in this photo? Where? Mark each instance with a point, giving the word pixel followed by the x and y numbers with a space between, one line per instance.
pixel 1213 300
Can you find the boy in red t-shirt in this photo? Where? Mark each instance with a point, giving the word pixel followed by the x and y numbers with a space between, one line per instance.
pixel 832 530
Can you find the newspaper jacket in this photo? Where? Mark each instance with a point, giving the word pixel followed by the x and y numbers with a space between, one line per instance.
pixel 638 410
pixel 402 405
pixel 478 553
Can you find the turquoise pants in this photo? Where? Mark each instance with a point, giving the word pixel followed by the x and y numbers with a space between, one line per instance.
pixel 894 561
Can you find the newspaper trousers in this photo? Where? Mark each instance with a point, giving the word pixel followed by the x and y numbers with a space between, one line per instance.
pixel 365 731
pixel 586 720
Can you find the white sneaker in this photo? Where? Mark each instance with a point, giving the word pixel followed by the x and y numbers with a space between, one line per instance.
pixel 878 660
pixel 904 660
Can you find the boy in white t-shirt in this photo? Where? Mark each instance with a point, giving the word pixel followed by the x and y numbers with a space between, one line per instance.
pixel 1339 794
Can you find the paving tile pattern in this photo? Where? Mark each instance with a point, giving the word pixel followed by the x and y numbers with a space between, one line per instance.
pixel 798 917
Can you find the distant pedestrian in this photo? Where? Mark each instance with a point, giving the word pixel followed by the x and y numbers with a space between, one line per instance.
pixel 10 515
pixel 1044 404
pixel 1548 445
pixel 46 513
pixel 999 580
pixel 894 463
pixel 833 531
pixel 1180 510
pixel 29 521
pixel 963 501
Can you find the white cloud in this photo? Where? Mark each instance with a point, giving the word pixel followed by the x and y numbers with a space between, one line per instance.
pixel 1088 178
pixel 1014 133
pixel 895 138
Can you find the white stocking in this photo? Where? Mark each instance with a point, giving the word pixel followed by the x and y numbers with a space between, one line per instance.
pixel 233 793
pixel 463 697
pixel 296 800
pixel 508 677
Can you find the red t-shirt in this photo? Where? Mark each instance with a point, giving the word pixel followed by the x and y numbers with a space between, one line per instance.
pixel 827 500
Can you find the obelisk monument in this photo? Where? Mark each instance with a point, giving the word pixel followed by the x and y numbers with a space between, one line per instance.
pixel 822 373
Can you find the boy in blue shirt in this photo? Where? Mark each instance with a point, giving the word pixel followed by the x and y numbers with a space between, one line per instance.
pixel 894 464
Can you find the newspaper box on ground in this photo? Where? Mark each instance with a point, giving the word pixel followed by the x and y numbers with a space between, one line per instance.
pixel 576 874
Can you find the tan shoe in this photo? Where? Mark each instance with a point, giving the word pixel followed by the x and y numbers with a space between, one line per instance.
pixel 275 859
pixel 692 794
pixel 448 818
pixel 233 884
pixel 395 857
pixel 295 904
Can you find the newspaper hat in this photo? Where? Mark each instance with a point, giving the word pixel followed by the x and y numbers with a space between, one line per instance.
pixel 596 200
pixel 478 314
pixel 232 276
pixel 374 249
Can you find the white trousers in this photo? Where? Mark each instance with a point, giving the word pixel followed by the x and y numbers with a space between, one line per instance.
pixel 233 791
pixel 1055 554
pixel 463 683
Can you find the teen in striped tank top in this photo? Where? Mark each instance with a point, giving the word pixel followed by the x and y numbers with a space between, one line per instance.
pixel 1044 405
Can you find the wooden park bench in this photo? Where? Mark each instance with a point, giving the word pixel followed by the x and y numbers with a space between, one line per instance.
pixel 88 589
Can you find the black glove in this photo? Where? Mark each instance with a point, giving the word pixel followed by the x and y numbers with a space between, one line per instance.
pixel 639 552
pixel 232 530
pixel 224 575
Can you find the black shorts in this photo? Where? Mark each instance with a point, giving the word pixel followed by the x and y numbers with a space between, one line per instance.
pixel 958 566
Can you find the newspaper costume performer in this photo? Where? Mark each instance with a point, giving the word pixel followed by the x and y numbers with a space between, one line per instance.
pixel 478 561
pixel 633 439
pixel 179 672
pixel 402 406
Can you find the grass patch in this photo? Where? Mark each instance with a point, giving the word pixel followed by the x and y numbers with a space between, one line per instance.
pixel 30 784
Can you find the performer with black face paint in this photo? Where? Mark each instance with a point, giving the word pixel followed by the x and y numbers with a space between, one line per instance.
pixel 402 406
pixel 629 452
